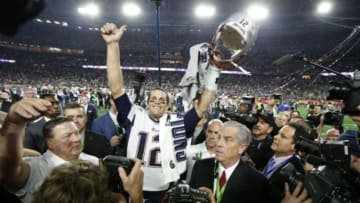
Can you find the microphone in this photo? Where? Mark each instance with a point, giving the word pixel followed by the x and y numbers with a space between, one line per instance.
pixel 286 58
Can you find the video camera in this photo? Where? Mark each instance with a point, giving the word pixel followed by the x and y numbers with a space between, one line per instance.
pixel 347 90
pixel 335 153
pixel 247 119
pixel 183 193
pixel 112 163
pixel 333 118
pixel 323 184
pixel 331 180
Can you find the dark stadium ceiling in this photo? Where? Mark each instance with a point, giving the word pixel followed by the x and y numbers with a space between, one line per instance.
pixel 290 22
pixel 288 13
pixel 292 25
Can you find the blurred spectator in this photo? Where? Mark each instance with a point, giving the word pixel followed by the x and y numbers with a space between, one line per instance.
pixel 205 149
pixel 89 185
pixel 282 119
pixel 90 109
pixel 91 143
pixel 34 138
pixel 332 134
pixel 108 126
pixel 295 114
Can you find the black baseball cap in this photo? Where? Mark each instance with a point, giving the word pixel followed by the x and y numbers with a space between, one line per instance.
pixel 268 118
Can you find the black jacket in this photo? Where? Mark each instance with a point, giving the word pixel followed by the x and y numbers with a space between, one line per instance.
pixel 96 144
pixel 34 138
pixel 260 152
pixel 245 183
pixel 277 181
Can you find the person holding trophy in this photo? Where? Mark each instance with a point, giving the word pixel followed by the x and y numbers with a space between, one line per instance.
pixel 157 137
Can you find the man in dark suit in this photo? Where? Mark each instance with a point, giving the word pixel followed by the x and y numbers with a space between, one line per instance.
pixel 92 143
pixel 283 146
pixel 230 179
pixel 108 126
pixel 33 138
pixel 90 109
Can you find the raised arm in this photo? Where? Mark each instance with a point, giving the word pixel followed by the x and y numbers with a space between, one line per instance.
pixel 210 87
pixel 13 172
pixel 112 35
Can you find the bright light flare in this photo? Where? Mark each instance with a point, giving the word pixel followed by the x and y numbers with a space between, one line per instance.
pixel 82 10
pixel 131 9
pixel 258 12
pixel 205 11
pixel 93 10
pixel 324 7
pixel 89 10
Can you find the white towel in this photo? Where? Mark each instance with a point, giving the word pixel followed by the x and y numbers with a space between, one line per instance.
pixel 171 167
pixel 193 78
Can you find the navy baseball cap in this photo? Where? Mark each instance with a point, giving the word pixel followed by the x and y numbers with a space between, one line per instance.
pixel 352 137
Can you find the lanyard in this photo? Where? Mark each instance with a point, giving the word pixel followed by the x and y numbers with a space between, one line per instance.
pixel 219 193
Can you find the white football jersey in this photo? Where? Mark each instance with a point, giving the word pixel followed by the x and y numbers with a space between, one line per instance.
pixel 144 143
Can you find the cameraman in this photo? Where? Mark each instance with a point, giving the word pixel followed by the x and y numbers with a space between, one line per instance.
pixel 334 119
pixel 259 149
pixel 314 115
pixel 243 108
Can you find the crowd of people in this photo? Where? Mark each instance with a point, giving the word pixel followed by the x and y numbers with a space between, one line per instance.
pixel 37 72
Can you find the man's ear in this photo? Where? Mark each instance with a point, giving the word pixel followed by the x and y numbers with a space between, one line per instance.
pixel 242 148
pixel 50 143
pixel 293 147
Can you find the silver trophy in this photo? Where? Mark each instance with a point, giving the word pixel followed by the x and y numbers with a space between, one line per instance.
pixel 233 39
pixel 237 35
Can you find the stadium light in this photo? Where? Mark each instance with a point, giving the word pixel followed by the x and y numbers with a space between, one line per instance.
pixel 324 7
pixel 93 10
pixel 90 9
pixel 131 9
pixel 258 12
pixel 82 10
pixel 204 11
